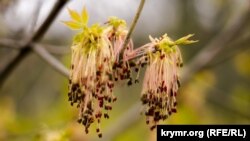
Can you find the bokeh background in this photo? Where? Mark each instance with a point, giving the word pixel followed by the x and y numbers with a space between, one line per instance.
pixel 215 78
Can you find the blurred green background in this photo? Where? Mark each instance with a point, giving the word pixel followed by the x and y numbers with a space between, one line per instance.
pixel 33 100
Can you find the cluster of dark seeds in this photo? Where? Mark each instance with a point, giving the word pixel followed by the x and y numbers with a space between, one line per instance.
pixel 93 102
pixel 121 71
pixel 161 102
pixel 136 66
pixel 159 105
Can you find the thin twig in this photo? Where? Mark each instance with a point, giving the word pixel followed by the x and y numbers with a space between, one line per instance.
pixel 26 49
pixel 56 50
pixel 11 43
pixel 15 44
pixel 42 51
pixel 45 26
pixel 51 60
pixel 131 29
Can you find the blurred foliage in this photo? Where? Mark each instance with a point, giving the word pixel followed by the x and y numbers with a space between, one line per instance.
pixel 241 63
pixel 33 101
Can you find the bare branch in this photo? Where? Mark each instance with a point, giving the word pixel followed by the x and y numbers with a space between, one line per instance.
pixel 45 26
pixel 41 50
pixel 53 49
pixel 137 15
pixel 56 50
pixel 26 49
pixel 51 60
pixel 10 43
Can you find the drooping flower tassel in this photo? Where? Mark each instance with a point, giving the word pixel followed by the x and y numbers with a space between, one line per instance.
pixel 161 81
pixel 95 55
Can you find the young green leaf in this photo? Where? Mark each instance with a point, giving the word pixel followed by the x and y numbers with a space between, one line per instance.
pixel 72 25
pixel 74 15
pixel 85 16
pixel 185 40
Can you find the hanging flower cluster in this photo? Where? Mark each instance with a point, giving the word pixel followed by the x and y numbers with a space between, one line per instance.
pixel 95 65
pixel 161 81
pixel 99 59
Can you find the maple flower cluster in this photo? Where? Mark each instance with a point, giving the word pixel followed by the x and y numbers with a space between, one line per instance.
pixel 99 59
pixel 161 81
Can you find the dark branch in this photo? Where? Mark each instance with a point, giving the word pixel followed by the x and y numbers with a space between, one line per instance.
pixel 45 26
pixel 26 48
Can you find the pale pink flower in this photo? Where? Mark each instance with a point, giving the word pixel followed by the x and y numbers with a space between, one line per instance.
pixel 91 82
pixel 95 65
pixel 161 81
